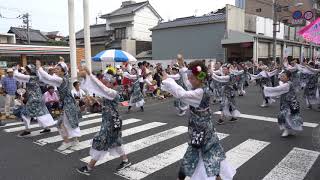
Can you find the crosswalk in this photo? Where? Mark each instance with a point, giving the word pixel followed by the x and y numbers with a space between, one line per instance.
pixel 294 165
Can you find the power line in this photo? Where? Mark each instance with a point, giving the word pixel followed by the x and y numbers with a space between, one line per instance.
pixel 11 9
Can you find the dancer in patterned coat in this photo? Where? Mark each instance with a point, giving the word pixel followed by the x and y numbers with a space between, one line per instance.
pixel 35 107
pixel 289 118
pixel 205 157
pixel 68 123
pixel 109 138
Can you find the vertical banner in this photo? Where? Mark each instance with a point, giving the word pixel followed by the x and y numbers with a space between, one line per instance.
pixel 311 33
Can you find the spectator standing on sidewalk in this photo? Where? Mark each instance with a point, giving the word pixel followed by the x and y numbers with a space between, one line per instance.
pixel 9 85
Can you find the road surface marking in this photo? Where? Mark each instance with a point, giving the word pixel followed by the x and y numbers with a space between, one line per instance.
pixel 151 165
pixel 58 138
pixel 54 129
pixel 12 124
pixel 144 143
pixel 125 133
pixel 294 166
pixel 270 119
pixel 21 128
pixel 242 153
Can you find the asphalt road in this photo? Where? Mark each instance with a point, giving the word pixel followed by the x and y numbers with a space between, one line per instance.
pixel 156 138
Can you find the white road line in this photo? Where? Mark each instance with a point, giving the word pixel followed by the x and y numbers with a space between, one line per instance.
pixel 125 133
pixel 144 143
pixel 145 168
pixel 58 138
pixel 269 119
pixel 153 164
pixel 12 124
pixel 21 128
pixel 242 153
pixel 91 115
pixel 54 129
pixel 294 166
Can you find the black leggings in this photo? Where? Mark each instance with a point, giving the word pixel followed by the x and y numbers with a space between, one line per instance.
pixel 141 87
pixel 131 107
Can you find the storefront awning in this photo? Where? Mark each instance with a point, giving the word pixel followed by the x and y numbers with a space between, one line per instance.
pixel 236 37
pixel 32 50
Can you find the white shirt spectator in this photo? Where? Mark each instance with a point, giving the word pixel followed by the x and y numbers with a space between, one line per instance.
pixel 79 93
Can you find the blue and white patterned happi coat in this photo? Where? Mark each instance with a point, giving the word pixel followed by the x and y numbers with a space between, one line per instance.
pixel 228 94
pixel 70 107
pixel 211 150
pixel 177 102
pixel 136 94
pixel 286 117
pixel 35 105
pixel 108 137
pixel 311 87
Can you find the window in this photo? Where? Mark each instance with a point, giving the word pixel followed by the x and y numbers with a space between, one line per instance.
pixel 120 33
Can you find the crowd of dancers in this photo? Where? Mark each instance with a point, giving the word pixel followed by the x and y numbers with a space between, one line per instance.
pixel 195 87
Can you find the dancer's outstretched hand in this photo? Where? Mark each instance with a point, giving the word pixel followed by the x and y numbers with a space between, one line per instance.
pixel 38 64
pixel 164 75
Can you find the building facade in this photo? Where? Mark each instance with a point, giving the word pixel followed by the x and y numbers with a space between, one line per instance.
pixel 130 26
pixel 36 37
pixel 194 37
pixel 249 37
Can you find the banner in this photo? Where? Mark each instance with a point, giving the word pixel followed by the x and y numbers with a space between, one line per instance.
pixel 311 33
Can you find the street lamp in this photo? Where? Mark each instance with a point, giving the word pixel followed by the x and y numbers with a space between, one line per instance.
pixel 275 9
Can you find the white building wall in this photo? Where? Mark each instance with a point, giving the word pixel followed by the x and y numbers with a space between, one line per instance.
pixel 264 27
pixel 118 20
pixel 144 20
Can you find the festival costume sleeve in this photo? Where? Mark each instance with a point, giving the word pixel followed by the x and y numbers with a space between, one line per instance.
pixel 273 73
pixel 290 68
pixel 254 77
pixel 174 76
pixel 93 85
pixel 184 77
pixel 276 91
pixel 312 69
pixel 220 78
pixel 218 72
pixel 237 72
pixel 21 77
pixel 148 82
pixel 129 76
pixel 49 79
pixel 192 97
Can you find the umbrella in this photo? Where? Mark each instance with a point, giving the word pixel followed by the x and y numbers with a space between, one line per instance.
pixel 114 55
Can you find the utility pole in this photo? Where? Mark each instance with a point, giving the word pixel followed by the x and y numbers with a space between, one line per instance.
pixel 275 24
pixel 26 20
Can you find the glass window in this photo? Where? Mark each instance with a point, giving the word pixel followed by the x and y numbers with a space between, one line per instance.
pixel 120 33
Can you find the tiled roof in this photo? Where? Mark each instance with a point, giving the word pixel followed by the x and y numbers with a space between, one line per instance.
pixel 35 35
pixel 98 30
pixel 128 9
pixel 189 21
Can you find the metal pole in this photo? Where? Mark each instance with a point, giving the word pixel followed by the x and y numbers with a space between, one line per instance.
pixel 87 43
pixel 72 41
pixel 274 16
pixel 28 30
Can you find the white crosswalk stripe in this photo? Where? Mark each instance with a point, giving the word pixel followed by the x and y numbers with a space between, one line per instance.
pixel 54 129
pixel 245 151
pixel 125 133
pixel 21 128
pixel 144 143
pixel 269 119
pixel 12 124
pixel 294 166
pixel 145 168
pixel 95 129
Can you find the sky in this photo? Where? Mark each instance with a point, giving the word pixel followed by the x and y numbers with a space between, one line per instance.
pixel 52 15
